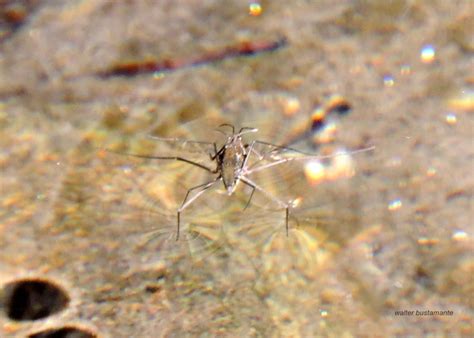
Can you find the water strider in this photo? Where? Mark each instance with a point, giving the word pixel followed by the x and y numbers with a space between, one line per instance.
pixel 232 166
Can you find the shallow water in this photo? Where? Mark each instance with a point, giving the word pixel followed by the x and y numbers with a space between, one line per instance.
pixel 393 235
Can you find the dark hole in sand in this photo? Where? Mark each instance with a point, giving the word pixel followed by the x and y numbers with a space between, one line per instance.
pixel 33 299
pixel 63 332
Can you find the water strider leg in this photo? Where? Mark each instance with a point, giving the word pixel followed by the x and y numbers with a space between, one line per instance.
pixel 246 130
pixel 228 125
pixel 249 149
pixel 217 152
pixel 187 202
pixel 281 147
pixel 213 157
pixel 261 157
pixel 251 194
pixel 176 139
pixel 244 164
pixel 270 196
pixel 303 158
pixel 250 129
pixel 257 153
pixel 176 158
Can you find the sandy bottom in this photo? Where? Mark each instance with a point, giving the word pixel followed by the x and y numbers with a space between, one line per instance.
pixel 386 252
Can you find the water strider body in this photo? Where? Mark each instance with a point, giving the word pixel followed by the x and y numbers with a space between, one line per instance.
pixel 232 167
pixel 230 162
pixel 231 159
